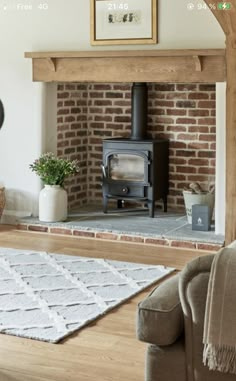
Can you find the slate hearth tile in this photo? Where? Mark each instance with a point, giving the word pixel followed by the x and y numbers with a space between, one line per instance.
pixel 186 233
pixel 136 225
pixel 131 225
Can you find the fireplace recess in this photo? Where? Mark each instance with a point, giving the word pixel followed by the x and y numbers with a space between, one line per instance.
pixel 136 168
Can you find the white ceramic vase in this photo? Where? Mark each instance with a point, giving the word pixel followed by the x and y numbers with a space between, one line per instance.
pixel 52 204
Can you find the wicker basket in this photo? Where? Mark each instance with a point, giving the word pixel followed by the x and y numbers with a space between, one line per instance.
pixel 2 200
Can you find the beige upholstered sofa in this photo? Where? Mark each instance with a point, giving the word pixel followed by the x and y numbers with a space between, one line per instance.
pixel 171 321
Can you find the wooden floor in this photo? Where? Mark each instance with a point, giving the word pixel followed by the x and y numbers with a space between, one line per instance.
pixel 107 349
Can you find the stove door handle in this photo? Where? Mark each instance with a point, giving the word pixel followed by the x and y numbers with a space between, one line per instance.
pixel 104 171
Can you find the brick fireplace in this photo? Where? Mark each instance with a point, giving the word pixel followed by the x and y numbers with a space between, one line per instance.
pixel 182 113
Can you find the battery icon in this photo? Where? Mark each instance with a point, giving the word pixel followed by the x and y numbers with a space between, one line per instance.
pixel 224 6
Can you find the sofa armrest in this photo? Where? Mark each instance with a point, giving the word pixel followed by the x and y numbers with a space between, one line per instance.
pixel 160 316
pixel 197 267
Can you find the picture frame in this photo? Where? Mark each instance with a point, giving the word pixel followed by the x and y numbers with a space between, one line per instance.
pixel 117 22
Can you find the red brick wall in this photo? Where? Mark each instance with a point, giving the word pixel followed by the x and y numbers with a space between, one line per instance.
pixel 185 114
pixel 72 137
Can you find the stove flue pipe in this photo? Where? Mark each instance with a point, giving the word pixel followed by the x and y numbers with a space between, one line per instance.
pixel 139 97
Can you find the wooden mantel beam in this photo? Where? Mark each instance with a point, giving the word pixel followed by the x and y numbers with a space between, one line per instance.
pixel 127 53
pixel 192 65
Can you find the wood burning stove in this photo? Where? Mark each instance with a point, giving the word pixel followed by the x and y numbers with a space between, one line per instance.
pixel 136 168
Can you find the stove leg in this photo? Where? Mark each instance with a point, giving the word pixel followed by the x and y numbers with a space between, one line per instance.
pixel 165 204
pixel 119 204
pixel 151 207
pixel 104 204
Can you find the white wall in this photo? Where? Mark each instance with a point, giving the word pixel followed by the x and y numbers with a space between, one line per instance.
pixel 64 26
pixel 220 158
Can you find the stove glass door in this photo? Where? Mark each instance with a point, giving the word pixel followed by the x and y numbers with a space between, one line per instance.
pixel 128 167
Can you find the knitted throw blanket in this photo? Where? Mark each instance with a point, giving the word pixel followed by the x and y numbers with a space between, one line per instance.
pixel 219 336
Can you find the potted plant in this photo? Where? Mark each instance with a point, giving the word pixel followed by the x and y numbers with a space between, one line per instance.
pixel 195 194
pixel 53 197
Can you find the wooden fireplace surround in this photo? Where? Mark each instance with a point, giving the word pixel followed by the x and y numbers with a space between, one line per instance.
pixel 181 66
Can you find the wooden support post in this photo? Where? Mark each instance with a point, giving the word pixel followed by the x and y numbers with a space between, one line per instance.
pixel 227 21
pixel 230 223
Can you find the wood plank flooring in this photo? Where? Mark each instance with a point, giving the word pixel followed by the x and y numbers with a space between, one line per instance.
pixel 107 349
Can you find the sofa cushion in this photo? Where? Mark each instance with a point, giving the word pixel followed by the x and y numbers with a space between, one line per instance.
pixel 160 316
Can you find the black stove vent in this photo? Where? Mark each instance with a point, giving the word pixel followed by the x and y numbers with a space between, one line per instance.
pixel 139 96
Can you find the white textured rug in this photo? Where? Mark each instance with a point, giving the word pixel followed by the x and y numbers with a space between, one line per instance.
pixel 47 296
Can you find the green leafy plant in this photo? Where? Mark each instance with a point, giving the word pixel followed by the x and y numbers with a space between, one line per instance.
pixel 53 170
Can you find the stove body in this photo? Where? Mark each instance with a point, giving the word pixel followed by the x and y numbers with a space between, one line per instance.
pixel 135 171
pixel 136 168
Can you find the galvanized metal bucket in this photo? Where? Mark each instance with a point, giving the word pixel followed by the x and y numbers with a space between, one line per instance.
pixel 191 199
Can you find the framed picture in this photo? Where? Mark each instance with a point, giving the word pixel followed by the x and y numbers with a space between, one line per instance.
pixel 123 22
